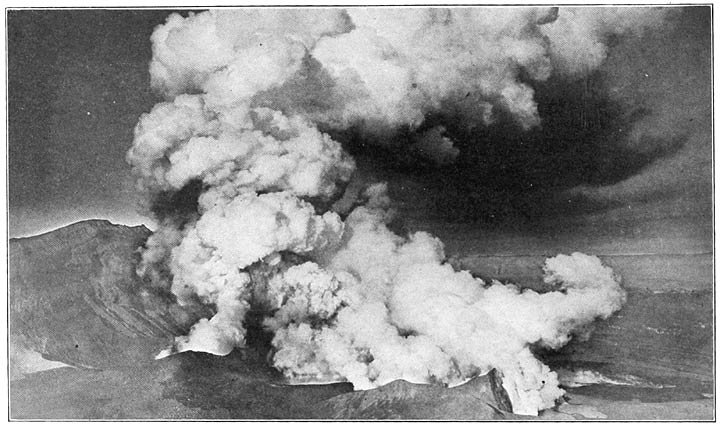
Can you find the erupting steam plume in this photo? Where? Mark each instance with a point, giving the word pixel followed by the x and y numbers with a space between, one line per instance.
pixel 244 180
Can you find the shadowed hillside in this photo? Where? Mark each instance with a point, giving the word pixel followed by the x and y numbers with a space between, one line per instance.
pixel 74 297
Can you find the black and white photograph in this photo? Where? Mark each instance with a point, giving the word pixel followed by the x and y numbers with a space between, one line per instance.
pixel 438 212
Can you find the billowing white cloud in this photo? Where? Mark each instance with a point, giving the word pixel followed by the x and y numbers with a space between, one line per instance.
pixel 246 93
pixel 405 313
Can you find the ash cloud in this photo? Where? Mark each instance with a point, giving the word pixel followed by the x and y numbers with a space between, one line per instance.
pixel 243 163
pixel 668 74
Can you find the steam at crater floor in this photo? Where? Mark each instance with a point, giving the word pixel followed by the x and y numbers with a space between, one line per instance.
pixel 239 138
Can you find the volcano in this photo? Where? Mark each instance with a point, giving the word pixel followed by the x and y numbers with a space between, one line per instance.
pixel 76 300
pixel 370 213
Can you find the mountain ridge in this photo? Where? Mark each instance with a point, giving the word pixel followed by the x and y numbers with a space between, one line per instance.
pixel 74 296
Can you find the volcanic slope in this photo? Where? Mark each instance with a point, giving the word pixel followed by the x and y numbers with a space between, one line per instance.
pixel 74 298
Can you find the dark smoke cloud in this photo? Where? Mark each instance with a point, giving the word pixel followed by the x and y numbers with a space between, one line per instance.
pixel 180 206
pixel 502 171
pixel 668 75
pixel 636 129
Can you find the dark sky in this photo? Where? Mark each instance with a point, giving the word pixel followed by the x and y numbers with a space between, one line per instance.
pixel 78 81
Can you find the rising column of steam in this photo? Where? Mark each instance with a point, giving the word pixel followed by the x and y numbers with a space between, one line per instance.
pixel 248 90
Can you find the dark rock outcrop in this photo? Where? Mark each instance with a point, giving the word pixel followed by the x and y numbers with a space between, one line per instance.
pixel 482 398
